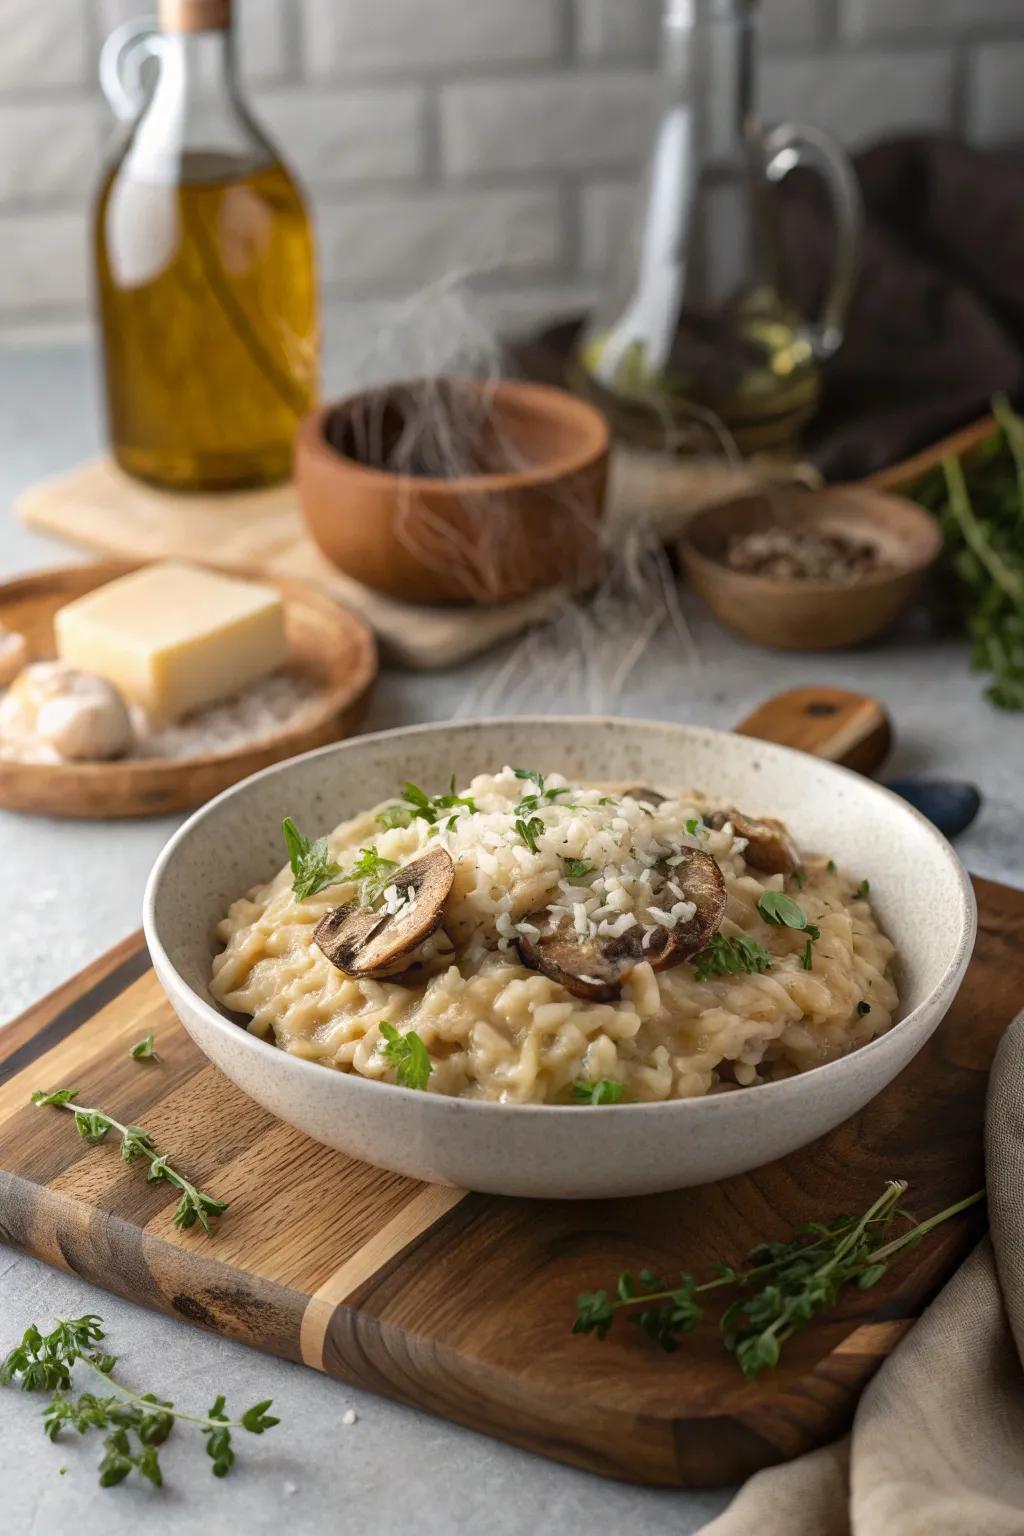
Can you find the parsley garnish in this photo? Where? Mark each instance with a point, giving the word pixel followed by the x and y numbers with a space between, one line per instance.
pixel 419 805
pixel 408 1055
pixel 780 909
pixel 831 866
pixel 692 826
pixel 373 872
pixel 543 796
pixel 144 1050
pixel 93 1125
pixel 799 878
pixel 529 831
pixel 807 958
pixel 863 889
pixel 607 1091
pixel 136 1425
pixel 312 865
pixel 577 868
pixel 731 957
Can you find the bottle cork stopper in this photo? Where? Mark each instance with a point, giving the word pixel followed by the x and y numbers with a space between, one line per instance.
pixel 195 15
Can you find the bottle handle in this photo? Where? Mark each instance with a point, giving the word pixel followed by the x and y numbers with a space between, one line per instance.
pixel 791 145
pixel 122 59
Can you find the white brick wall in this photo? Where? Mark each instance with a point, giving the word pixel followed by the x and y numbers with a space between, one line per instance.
pixel 503 135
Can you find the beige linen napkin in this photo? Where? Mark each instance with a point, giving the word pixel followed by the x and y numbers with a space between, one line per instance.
pixel 937 1445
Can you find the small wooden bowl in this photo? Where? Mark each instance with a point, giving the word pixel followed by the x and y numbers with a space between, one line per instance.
pixel 803 615
pixel 480 538
pixel 327 643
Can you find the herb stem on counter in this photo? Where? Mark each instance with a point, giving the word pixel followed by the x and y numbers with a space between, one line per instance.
pixel 44 1362
pixel 781 1288
pixel 94 1125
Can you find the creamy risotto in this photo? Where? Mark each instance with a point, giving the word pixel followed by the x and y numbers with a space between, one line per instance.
pixel 525 939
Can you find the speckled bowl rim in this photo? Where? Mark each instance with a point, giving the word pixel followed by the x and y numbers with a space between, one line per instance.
pixel 784 1089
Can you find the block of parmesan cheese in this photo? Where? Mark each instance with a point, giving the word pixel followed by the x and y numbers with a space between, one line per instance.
pixel 172 638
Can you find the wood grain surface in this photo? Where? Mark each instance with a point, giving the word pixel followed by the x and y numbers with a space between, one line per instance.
pixel 329 648
pixel 460 1303
pixel 844 727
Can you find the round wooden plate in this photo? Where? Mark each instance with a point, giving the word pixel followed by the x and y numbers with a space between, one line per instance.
pixel 327 643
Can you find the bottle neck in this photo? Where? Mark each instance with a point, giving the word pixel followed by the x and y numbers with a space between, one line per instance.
pixel 199 68
pixel 708 62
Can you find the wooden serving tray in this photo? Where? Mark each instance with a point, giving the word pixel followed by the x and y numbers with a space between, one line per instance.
pixel 329 647
pixel 461 1303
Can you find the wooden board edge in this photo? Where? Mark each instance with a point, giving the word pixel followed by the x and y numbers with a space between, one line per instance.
pixel 88 989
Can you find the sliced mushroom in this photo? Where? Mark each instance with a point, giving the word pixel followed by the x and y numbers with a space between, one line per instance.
pixel 596 968
pixel 768 846
pixel 641 792
pixel 365 943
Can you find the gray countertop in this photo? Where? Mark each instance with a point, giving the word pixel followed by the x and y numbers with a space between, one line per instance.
pixel 81 884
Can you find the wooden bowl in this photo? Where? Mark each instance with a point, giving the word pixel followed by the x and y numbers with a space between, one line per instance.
pixel 483 537
pixel 328 644
pixel 803 615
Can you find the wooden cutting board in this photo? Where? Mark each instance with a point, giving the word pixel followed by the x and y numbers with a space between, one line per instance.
pixel 460 1303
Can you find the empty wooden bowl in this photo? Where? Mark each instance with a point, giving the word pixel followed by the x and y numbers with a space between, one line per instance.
pixel 456 491
pixel 801 614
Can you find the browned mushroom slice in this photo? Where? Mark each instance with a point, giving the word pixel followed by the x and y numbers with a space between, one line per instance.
pixel 641 792
pixel 768 846
pixel 595 968
pixel 364 943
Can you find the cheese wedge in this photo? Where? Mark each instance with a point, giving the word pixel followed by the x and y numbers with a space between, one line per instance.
pixel 172 638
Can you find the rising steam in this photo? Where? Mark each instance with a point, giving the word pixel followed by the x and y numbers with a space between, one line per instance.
pixel 443 422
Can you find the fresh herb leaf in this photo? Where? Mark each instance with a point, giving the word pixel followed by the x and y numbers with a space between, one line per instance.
pixel 529 831
pixel 863 889
pixel 692 826
pixel 531 776
pixel 799 878
pixel 145 1050
pixel 93 1126
pixel 419 805
pixel 577 868
pixel 136 1425
pixel 311 863
pixel 408 1055
pixel 731 957
pixel 778 908
pixel 807 959
pixel 780 1287
pixel 372 872
pixel 608 1090
pixel 863 1008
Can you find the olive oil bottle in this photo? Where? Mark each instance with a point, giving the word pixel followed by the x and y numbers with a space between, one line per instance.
pixel 205 273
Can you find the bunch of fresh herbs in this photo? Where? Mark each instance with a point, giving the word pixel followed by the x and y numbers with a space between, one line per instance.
pixel 979 502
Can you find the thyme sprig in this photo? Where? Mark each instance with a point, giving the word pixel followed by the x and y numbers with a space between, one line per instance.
pixel 94 1125
pixel 781 1286
pixel 136 1425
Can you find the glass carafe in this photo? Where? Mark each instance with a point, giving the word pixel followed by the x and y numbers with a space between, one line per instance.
pixel 699 318
pixel 205 266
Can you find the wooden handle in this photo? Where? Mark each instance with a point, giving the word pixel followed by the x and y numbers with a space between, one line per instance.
pixel 848 728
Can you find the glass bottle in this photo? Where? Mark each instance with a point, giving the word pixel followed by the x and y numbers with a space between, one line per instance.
pixel 699 316
pixel 205 266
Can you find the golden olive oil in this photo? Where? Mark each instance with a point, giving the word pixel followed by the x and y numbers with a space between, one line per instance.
pixel 208 306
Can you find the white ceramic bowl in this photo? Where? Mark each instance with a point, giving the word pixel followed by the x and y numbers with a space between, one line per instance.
pixel 919 890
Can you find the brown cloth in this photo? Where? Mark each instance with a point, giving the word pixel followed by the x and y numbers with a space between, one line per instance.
pixel 937 324
pixel 937 1445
